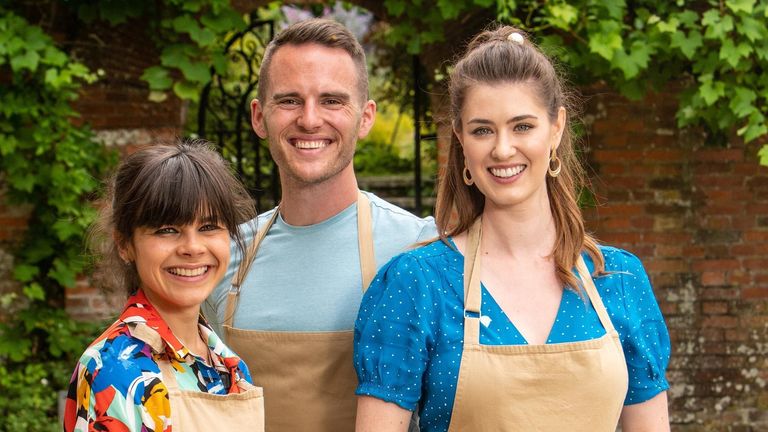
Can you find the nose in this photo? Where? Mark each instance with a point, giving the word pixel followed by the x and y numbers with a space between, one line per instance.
pixel 191 245
pixel 309 118
pixel 504 147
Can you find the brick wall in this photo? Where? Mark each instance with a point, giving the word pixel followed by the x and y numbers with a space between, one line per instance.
pixel 697 215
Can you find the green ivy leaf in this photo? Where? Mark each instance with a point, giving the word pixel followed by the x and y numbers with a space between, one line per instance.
pixel 186 90
pixel 687 45
pixel 751 28
pixel 65 273
pixel 34 291
pixel 763 152
pixel 718 26
pixel 711 90
pixel 562 15
pixel 28 60
pixel 25 272
pixel 395 7
pixel 65 229
pixel 449 8
pixel 742 102
pixel 606 40
pixel 157 77
pixel 746 6
pixel 226 20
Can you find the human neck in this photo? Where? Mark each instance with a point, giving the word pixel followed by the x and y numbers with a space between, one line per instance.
pixel 184 325
pixel 307 204
pixel 519 231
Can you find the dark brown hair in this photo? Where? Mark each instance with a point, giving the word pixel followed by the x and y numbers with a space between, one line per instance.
pixel 165 184
pixel 492 58
pixel 323 32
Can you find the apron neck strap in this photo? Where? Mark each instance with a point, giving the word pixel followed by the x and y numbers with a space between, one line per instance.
pixel 364 240
pixel 169 376
pixel 594 297
pixel 473 292
pixel 242 270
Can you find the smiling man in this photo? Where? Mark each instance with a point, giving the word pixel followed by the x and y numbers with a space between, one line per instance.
pixel 292 302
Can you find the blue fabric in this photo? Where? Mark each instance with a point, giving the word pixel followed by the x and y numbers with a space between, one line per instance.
pixel 409 331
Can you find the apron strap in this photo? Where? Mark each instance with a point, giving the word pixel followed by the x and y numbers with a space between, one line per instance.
pixel 169 375
pixel 365 239
pixel 242 270
pixel 594 297
pixel 472 290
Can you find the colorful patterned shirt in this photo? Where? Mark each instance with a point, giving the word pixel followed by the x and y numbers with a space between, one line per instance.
pixel 117 384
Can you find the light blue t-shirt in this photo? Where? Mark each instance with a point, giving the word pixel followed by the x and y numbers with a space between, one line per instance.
pixel 410 330
pixel 308 278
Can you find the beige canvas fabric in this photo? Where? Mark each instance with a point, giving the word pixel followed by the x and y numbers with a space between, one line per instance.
pixel 308 377
pixel 577 386
pixel 193 411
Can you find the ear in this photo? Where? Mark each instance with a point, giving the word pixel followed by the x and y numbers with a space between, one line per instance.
pixel 257 119
pixel 558 128
pixel 124 248
pixel 367 118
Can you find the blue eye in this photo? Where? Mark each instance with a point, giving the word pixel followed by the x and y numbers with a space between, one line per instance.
pixel 523 127
pixel 482 131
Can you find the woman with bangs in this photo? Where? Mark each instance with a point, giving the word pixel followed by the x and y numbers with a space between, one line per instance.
pixel 517 319
pixel 164 238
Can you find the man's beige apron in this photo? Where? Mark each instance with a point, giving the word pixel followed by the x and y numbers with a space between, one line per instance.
pixel 193 411
pixel 577 386
pixel 308 377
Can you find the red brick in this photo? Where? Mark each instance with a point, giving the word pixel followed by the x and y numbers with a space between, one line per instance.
pixel 720 321
pixel 709 278
pixel 755 293
pixel 714 307
pixel 665 265
pixel 732 155
pixel 716 264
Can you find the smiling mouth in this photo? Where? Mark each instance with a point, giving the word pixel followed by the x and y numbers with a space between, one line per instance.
pixel 310 144
pixel 186 272
pixel 507 172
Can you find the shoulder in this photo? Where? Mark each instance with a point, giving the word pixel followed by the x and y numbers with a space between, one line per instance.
pixel 620 260
pixel 436 258
pixel 385 210
pixel 116 346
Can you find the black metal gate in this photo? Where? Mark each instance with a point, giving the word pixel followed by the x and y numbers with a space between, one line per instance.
pixel 224 115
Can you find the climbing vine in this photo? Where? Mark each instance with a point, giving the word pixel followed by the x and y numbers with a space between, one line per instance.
pixel 718 50
pixel 50 166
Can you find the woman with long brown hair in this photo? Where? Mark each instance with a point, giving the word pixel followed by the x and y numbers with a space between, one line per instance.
pixel 517 319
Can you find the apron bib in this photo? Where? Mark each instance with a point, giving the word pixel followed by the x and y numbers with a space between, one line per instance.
pixel 577 386
pixel 193 411
pixel 308 378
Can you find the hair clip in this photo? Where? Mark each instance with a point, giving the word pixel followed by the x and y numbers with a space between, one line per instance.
pixel 516 38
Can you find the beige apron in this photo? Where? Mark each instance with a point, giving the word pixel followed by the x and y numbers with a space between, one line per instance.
pixel 308 377
pixel 573 387
pixel 193 411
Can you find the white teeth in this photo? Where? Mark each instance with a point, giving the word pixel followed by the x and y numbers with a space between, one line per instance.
pixel 310 144
pixel 188 272
pixel 507 172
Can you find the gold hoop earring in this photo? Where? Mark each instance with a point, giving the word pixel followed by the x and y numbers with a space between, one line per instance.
pixel 467 177
pixel 554 172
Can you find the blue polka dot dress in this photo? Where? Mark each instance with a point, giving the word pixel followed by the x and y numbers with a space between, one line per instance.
pixel 410 328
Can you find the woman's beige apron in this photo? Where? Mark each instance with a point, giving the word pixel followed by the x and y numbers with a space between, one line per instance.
pixel 572 387
pixel 193 411
pixel 308 377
